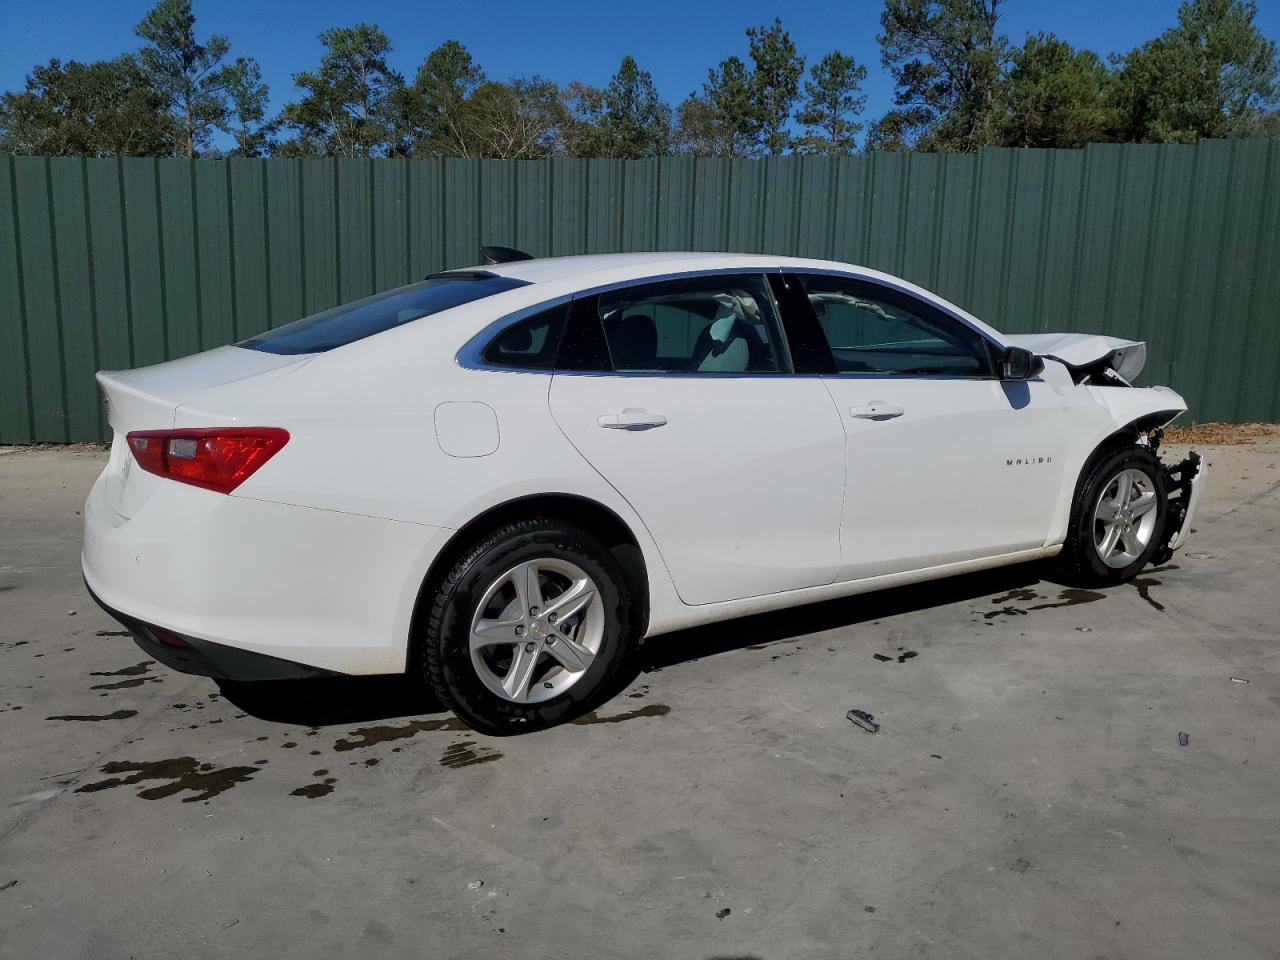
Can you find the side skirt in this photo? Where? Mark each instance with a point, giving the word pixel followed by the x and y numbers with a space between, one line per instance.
pixel 731 609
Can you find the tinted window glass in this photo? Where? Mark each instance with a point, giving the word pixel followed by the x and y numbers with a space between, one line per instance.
pixel 528 344
pixel 872 329
pixel 364 318
pixel 721 324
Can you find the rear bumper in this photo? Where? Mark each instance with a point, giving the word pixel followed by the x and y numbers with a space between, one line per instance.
pixel 304 587
pixel 203 658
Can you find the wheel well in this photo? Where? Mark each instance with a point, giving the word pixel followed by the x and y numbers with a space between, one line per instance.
pixel 1124 437
pixel 595 518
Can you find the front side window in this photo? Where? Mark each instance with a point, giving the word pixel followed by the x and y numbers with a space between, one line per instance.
pixel 876 330
pixel 717 324
pixel 383 311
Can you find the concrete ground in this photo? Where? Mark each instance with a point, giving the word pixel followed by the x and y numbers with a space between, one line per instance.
pixel 1026 797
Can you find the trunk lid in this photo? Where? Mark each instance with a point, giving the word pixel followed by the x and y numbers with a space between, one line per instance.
pixel 148 399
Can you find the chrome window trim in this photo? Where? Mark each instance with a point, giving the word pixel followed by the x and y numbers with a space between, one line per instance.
pixel 469 357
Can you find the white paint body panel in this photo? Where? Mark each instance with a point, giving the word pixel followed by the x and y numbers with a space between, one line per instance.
pixel 964 472
pixel 741 488
pixel 758 493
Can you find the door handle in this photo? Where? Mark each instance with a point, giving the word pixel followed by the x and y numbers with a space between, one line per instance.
pixel 876 410
pixel 632 418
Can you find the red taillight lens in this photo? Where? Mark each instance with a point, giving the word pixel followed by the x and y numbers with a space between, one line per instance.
pixel 217 459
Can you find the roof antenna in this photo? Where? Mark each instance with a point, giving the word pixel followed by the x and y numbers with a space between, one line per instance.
pixel 503 254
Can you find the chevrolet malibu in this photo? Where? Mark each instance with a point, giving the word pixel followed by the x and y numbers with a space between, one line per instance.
pixel 504 478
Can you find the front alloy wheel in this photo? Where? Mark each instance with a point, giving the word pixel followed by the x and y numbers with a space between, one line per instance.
pixel 1116 518
pixel 1124 520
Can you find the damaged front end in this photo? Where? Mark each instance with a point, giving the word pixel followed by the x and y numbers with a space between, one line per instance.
pixel 1184 485
pixel 1091 358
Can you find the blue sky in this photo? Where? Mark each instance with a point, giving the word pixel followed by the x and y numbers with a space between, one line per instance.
pixel 567 40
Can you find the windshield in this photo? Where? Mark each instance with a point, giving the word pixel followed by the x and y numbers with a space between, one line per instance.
pixel 363 318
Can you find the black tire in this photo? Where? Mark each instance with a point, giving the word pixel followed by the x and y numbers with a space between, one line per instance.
pixel 1079 562
pixel 444 646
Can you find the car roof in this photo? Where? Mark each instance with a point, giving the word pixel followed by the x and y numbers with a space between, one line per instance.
pixel 566 274
pixel 546 269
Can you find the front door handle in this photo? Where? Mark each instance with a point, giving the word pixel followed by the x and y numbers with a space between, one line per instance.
pixel 876 410
pixel 632 418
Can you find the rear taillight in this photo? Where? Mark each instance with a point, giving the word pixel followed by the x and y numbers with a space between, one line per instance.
pixel 217 459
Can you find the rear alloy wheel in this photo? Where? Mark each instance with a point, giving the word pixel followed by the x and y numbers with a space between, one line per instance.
pixel 1116 519
pixel 537 630
pixel 528 628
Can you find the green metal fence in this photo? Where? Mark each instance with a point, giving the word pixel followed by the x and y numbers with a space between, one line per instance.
pixel 121 263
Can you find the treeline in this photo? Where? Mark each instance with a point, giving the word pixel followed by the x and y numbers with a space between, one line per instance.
pixel 959 85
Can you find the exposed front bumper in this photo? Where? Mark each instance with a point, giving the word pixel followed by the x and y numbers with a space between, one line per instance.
pixel 1185 483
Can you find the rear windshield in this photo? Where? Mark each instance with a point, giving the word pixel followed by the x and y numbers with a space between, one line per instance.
pixel 382 311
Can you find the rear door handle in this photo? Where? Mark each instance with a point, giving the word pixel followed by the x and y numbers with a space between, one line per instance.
pixel 632 418
pixel 876 410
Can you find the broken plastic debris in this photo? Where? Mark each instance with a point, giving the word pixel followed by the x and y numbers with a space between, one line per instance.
pixel 1201 556
pixel 864 720
pixel 1184 739
pixel 721 914
pixel 881 657
pixel 1084 629
pixel 1239 680
pixel 475 884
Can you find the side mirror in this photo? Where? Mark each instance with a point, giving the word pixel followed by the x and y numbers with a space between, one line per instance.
pixel 1020 364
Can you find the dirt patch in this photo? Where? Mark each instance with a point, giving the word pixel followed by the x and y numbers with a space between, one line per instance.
pixel 1223 433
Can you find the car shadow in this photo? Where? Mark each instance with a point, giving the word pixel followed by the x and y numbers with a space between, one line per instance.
pixel 684 646
pixel 331 701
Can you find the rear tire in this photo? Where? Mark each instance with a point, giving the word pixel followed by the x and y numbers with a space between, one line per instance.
pixel 507 659
pixel 1116 519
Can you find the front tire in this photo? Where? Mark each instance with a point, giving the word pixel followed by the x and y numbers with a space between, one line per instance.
pixel 529 628
pixel 1116 519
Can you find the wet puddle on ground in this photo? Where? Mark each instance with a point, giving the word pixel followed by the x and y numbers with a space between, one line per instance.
pixel 135 671
pixel 363 737
pixel 1070 597
pixel 203 780
pixel 117 715
pixel 1143 585
pixel 321 788
pixel 467 753
pixel 652 710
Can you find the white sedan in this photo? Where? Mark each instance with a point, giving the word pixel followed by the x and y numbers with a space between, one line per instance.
pixel 504 478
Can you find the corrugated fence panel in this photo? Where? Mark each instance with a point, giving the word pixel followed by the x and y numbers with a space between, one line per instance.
pixel 118 263
pixel 15 384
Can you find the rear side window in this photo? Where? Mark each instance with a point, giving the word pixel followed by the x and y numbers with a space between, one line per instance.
pixel 715 324
pixel 528 344
pixel 382 311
